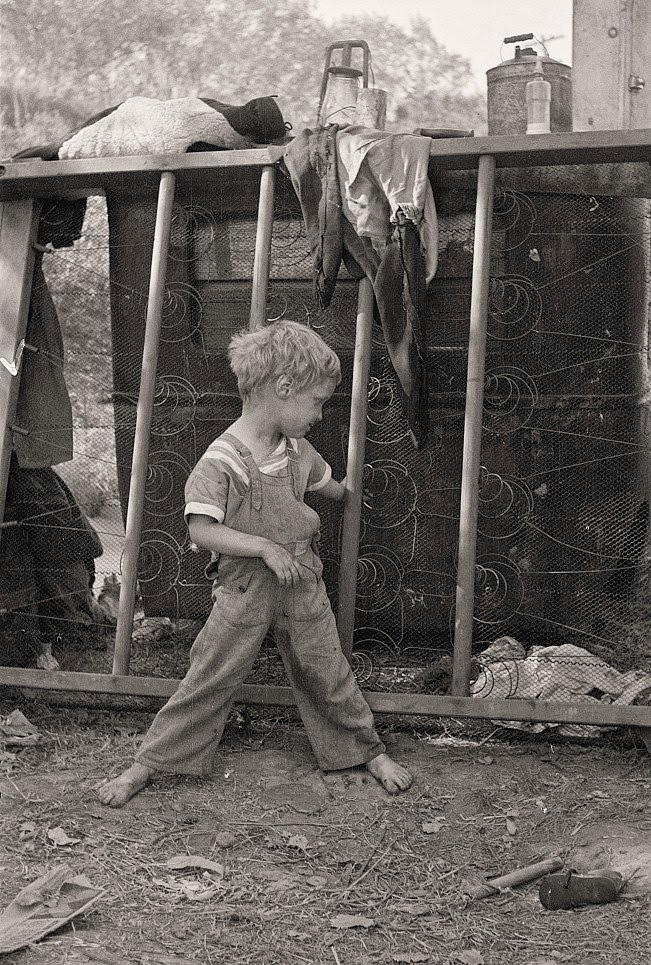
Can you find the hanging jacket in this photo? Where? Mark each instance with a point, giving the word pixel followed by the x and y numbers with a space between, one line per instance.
pixel 369 203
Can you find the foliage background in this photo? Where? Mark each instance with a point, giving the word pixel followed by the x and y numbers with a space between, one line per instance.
pixel 64 60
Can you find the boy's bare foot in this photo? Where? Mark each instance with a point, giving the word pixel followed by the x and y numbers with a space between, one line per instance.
pixel 121 789
pixel 392 776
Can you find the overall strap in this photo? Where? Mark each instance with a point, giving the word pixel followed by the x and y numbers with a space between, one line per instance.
pixel 254 472
pixel 292 462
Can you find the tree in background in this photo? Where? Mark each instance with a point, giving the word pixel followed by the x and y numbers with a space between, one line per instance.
pixel 65 60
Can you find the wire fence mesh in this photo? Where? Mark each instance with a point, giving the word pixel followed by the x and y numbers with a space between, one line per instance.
pixel 564 486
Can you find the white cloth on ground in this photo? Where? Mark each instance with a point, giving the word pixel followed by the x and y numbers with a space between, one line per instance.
pixel 564 674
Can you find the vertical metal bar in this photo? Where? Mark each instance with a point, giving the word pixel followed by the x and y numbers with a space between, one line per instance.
pixel 355 468
pixel 472 429
pixel 352 516
pixel 18 231
pixel 143 424
pixel 262 257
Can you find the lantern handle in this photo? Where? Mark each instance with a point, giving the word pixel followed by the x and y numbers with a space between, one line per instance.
pixel 346 47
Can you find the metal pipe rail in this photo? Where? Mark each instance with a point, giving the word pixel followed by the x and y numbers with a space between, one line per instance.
pixel 144 411
pixel 75 178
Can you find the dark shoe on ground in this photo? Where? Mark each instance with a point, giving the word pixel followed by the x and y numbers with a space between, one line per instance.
pixel 567 889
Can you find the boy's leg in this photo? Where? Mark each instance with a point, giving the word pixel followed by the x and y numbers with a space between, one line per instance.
pixel 185 733
pixel 337 718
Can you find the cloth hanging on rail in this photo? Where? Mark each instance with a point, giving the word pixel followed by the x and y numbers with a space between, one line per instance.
pixel 382 175
pixel 366 198
pixel 43 409
pixel 138 125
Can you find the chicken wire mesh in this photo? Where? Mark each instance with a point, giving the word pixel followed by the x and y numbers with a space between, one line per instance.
pixel 563 510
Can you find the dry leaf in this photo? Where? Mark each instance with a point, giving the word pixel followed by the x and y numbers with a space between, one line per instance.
pixel 298 841
pixel 16 730
pixel 351 921
pixel 413 908
pixel 432 827
pixel 225 839
pixel 188 888
pixel 470 957
pixel 17 723
pixel 511 826
pixel 181 861
pixel 316 881
pixel 59 837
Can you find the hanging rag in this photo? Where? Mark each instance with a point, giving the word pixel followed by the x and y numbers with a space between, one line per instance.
pixel 382 174
pixel 369 201
pixel 311 161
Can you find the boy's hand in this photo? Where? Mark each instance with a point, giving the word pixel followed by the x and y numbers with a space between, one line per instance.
pixel 282 564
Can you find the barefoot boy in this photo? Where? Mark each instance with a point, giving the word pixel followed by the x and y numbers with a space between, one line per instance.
pixel 244 503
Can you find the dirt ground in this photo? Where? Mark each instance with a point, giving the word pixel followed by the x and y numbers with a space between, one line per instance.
pixel 313 868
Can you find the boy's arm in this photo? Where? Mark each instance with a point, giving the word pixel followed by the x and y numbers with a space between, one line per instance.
pixel 211 535
pixel 333 490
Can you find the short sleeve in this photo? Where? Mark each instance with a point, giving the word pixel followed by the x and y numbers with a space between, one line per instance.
pixel 206 491
pixel 319 472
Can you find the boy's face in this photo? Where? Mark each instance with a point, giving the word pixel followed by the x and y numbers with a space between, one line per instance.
pixel 299 409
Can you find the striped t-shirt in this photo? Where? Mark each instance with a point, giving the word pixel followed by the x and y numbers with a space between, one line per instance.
pixel 221 469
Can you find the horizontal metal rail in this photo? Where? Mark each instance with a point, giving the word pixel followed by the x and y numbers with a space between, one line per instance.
pixel 34 178
pixel 37 178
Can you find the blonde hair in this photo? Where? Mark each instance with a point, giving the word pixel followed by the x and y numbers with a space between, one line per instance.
pixel 282 348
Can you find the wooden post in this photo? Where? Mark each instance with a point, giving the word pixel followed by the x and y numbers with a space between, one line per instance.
pixel 262 256
pixel 18 231
pixel 143 424
pixel 352 517
pixel 472 429
pixel 611 65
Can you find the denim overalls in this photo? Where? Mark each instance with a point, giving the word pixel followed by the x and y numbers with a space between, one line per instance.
pixel 247 601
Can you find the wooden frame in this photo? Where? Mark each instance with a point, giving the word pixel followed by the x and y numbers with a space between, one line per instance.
pixel 35 179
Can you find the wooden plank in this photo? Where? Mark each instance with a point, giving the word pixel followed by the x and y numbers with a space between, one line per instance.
pixel 36 178
pixel 614 180
pixel 465 595
pixel 139 463
pixel 421 705
pixel 18 230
